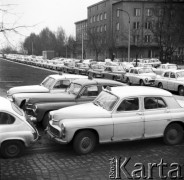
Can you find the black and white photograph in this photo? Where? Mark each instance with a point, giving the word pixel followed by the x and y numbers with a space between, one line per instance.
pixel 91 89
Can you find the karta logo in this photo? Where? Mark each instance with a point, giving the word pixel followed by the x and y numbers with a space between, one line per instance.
pixel 119 169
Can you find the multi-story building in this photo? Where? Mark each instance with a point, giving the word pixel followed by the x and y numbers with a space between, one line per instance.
pixel 110 22
pixel 81 38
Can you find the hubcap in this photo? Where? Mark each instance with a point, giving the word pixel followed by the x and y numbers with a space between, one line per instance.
pixel 181 91
pixel 12 150
pixel 173 134
pixel 86 143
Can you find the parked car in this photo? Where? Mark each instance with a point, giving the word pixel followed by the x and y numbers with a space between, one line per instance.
pixel 172 80
pixel 81 68
pixel 52 84
pixel 114 72
pixel 16 131
pixel 140 75
pixel 69 67
pixel 155 62
pixel 126 65
pixel 119 114
pixel 96 70
pixel 164 67
pixel 80 91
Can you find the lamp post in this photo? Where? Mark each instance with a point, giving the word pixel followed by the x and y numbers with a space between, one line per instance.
pixel 128 32
pixel 82 46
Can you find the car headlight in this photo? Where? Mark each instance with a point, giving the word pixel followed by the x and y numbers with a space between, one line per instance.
pixel 63 131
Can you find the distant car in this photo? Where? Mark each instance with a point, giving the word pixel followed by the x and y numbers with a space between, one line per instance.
pixel 81 68
pixel 126 65
pixel 172 80
pixel 141 76
pixel 114 72
pixel 80 91
pixel 164 67
pixel 56 83
pixel 96 70
pixel 120 114
pixel 16 131
pixel 155 62
pixel 69 67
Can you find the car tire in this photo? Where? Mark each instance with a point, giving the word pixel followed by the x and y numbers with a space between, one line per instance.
pixel 173 134
pixel 142 83
pixel 45 120
pixel 11 149
pixel 160 85
pixel 181 91
pixel 84 142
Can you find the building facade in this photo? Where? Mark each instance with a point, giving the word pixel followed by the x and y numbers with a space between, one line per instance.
pixel 110 22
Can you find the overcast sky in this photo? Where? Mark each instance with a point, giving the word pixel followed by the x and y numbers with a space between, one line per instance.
pixel 42 13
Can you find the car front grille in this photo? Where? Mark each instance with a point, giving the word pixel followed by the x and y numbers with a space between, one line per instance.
pixel 54 131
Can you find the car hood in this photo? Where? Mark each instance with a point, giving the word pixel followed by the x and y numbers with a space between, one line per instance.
pixel 88 110
pixel 46 97
pixel 27 89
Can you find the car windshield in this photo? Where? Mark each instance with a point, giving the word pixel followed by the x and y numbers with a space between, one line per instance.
pixel 16 109
pixel 180 74
pixel 106 100
pixel 172 67
pixel 145 70
pixel 48 82
pixel 117 68
pixel 74 88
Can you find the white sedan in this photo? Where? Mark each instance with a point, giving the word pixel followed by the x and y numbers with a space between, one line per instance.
pixel 141 76
pixel 119 114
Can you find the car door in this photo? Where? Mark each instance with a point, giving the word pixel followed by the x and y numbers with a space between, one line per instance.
pixel 128 120
pixel 156 116
pixel 87 94
pixel 172 82
pixel 165 79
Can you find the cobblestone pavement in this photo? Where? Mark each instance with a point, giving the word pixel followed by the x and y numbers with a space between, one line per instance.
pixel 47 160
pixel 63 163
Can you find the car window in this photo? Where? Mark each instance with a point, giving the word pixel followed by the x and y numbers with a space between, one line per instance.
pixel 62 84
pixel 6 118
pixel 132 70
pixel 166 74
pixel 130 104
pixel 154 103
pixel 90 91
pixel 172 75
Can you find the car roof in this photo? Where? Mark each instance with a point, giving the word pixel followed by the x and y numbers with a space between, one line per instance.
pixel 66 76
pixel 127 91
pixel 5 104
pixel 97 81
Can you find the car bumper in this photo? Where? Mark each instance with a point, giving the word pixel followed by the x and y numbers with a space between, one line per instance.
pixel 54 138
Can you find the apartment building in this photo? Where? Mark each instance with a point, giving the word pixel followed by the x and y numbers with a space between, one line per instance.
pixel 110 22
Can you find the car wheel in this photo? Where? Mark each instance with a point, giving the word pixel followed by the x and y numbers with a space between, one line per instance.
pixel 11 149
pixel 173 134
pixel 84 142
pixel 45 120
pixel 160 85
pixel 128 81
pixel 181 91
pixel 141 83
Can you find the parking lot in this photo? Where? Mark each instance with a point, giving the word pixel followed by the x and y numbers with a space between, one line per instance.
pixel 48 160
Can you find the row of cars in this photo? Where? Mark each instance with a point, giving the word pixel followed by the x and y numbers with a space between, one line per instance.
pixel 85 112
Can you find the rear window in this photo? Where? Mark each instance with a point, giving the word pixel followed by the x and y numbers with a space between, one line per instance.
pixel 6 118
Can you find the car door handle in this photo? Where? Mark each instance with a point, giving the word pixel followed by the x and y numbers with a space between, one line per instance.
pixel 139 113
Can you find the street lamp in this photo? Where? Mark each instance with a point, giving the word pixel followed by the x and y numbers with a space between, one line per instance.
pixel 128 32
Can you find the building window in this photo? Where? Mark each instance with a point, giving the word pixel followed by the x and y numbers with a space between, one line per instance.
pixel 105 15
pixel 105 27
pixel 148 25
pixel 101 17
pixel 136 39
pixel 136 25
pixel 149 12
pixel 98 29
pixel 94 18
pixel 91 20
pixel 117 13
pixel 147 38
pixel 117 26
pixel 160 12
pixel 137 12
pixel 97 18
pixel 101 28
